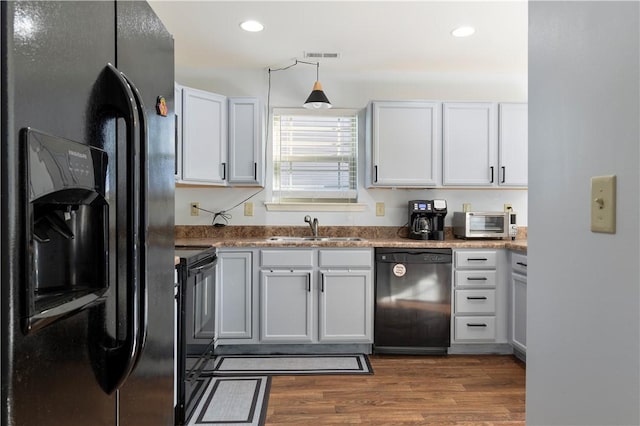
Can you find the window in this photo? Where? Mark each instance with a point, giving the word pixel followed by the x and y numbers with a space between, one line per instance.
pixel 315 156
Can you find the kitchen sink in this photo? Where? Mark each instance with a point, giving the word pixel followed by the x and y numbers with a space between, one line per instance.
pixel 312 239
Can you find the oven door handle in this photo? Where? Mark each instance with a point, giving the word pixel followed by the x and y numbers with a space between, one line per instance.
pixel 202 268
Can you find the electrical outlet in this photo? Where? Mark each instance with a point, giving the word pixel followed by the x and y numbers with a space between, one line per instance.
pixel 508 208
pixel 379 209
pixel 603 204
pixel 248 209
pixel 194 208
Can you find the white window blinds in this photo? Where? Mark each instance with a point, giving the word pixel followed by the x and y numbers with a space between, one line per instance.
pixel 315 157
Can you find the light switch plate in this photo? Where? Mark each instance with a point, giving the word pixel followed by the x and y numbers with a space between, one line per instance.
pixel 379 209
pixel 603 204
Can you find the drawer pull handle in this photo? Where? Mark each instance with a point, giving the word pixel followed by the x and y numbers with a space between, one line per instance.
pixel 477 259
pixel 476 325
pixel 476 297
pixel 521 264
pixel 476 278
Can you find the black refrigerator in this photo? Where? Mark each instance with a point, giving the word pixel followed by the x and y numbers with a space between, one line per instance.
pixel 87 212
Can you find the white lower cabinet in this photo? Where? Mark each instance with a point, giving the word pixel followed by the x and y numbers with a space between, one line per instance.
pixel 475 328
pixel 518 335
pixel 316 296
pixel 480 299
pixel 286 306
pixel 235 294
pixel 346 306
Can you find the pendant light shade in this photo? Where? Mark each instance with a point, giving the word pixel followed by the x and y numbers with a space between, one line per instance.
pixel 317 99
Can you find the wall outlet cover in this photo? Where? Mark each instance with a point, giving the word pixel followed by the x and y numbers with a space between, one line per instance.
pixel 248 209
pixel 195 208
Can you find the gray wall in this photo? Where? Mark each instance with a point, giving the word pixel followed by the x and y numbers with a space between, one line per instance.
pixel 583 358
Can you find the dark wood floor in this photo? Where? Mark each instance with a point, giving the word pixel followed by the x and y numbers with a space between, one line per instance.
pixel 425 390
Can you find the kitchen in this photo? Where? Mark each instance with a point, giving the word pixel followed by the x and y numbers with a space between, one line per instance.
pixel 551 320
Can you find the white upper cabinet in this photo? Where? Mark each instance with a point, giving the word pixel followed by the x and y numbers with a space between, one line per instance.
pixel 204 137
pixel 484 144
pixel 513 144
pixel 246 150
pixel 403 147
pixel 469 144
pixel 219 140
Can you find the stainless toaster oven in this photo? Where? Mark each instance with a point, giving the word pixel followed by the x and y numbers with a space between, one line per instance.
pixel 482 224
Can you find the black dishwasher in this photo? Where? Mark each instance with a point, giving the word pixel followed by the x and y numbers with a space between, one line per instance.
pixel 413 301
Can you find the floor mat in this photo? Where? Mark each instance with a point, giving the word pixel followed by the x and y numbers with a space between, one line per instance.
pixel 233 401
pixel 237 365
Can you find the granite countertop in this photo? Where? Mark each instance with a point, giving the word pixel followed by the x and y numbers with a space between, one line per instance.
pixel 372 237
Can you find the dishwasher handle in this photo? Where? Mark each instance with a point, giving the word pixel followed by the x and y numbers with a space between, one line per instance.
pixel 414 256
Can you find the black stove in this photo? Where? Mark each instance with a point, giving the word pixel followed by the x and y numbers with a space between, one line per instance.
pixel 197 264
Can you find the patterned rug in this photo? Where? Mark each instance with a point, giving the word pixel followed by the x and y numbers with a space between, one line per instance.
pixel 232 401
pixel 236 365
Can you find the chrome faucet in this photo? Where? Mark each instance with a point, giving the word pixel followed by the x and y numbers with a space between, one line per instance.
pixel 313 225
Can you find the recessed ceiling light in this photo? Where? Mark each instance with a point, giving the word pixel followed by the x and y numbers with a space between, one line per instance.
pixel 252 26
pixel 463 31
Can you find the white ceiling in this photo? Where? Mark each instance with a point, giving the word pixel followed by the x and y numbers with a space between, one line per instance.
pixel 378 36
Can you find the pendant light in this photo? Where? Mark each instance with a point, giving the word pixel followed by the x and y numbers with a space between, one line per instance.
pixel 317 99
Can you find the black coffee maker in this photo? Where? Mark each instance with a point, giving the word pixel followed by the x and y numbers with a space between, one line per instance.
pixel 426 219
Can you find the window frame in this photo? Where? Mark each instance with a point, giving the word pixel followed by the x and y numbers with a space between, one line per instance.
pixel 318 203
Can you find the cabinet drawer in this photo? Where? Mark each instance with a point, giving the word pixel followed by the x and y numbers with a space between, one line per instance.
pixel 476 259
pixel 475 328
pixel 286 258
pixel 519 263
pixel 475 301
pixel 475 278
pixel 346 258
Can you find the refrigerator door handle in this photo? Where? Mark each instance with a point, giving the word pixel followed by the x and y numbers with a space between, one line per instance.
pixel 142 168
pixel 116 357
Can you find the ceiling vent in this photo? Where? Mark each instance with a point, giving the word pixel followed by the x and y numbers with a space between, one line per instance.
pixel 321 55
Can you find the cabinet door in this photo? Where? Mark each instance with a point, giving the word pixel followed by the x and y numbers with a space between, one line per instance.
pixel 286 310
pixel 235 312
pixel 513 145
pixel 519 311
pixel 405 144
pixel 469 144
pixel 178 131
pixel 246 154
pixel 200 313
pixel 204 137
pixel 346 306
